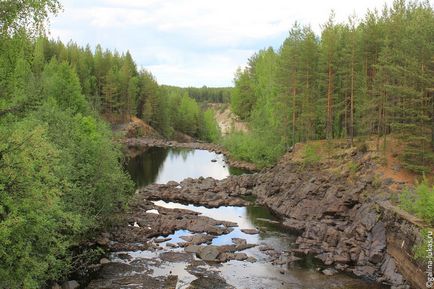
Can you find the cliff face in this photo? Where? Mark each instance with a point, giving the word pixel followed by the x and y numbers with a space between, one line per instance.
pixel 343 217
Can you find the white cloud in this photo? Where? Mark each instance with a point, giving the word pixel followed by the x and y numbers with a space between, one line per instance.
pixel 166 33
pixel 201 69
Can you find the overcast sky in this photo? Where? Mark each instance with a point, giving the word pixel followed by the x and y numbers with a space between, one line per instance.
pixel 194 42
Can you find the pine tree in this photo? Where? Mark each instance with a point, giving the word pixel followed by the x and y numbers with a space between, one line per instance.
pixel 329 40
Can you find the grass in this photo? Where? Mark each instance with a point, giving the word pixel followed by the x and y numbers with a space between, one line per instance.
pixel 419 202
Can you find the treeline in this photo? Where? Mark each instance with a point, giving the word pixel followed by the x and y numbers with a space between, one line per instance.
pixel 116 89
pixel 187 115
pixel 60 174
pixel 204 93
pixel 358 79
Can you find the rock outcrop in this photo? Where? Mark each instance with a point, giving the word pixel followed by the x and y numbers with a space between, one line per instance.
pixel 336 213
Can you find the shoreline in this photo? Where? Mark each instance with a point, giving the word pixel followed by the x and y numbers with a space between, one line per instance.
pixel 154 142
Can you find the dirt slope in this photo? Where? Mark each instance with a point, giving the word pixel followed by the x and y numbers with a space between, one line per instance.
pixel 227 120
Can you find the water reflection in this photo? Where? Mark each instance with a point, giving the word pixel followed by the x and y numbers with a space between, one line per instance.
pixel 161 165
pixel 246 218
pixel 144 168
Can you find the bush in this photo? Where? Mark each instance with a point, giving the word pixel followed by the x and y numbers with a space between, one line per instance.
pixel 90 163
pixel 35 229
pixel 259 149
pixel 210 131
pixel 310 155
pixel 60 179
pixel 420 202
pixel 421 248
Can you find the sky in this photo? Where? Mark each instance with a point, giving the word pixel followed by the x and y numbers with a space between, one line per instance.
pixel 194 42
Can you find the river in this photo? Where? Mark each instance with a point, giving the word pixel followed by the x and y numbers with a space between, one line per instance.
pixel 161 165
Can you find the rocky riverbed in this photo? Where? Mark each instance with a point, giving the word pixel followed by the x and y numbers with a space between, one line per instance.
pixel 328 213
pixel 170 245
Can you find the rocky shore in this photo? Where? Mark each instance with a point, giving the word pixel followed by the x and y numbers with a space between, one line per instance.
pixel 339 212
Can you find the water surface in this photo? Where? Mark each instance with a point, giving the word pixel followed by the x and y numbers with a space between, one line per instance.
pixel 160 165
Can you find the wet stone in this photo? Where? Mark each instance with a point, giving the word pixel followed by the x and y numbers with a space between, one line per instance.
pixel 209 253
pixel 250 231
pixel 210 283
pixel 176 257
pixel 162 240
pixel 329 272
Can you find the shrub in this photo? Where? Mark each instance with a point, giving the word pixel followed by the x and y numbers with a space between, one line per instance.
pixel 34 227
pixel 420 249
pixel 420 202
pixel 254 148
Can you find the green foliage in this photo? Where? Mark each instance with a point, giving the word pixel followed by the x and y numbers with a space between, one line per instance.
pixel 25 14
pixel 34 227
pixel 184 114
pixel 188 116
pixel 243 97
pixel 91 158
pixel 61 83
pixel 210 131
pixel 420 202
pixel 421 249
pixel 60 175
pixel 360 78
pixel 105 82
pixel 204 93
pixel 253 148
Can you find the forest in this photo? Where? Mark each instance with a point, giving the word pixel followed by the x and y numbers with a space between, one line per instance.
pixel 61 175
pixel 116 89
pixel 367 77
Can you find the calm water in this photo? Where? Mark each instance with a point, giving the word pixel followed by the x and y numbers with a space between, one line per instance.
pixel 160 165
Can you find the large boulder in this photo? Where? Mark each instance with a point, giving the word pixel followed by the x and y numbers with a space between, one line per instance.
pixel 378 243
pixel 209 253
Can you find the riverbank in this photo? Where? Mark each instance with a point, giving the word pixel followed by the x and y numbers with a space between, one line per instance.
pixel 138 145
pixel 337 209
pixel 169 245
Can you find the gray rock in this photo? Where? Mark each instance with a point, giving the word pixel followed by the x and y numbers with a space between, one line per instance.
pixel 326 258
pixel 70 285
pixel 365 271
pixel 213 282
pixel 378 243
pixel 232 256
pixel 239 241
pixel 209 253
pixel 251 259
pixel 388 268
pixel 103 241
pixel 161 240
pixel 197 239
pixel 329 272
pixel 104 261
pixel 171 245
pixel 192 249
pixel 294 225
pixel 250 231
